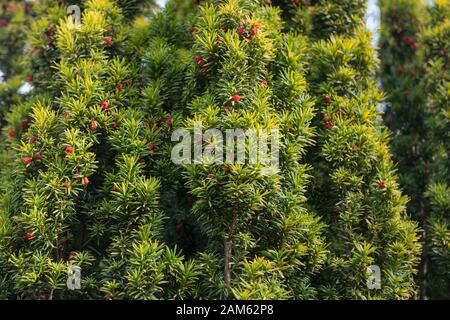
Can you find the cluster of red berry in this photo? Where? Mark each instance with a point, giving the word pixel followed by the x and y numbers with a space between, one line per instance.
pixel 69 149
pixel 327 121
pixel 409 41
pixel 252 33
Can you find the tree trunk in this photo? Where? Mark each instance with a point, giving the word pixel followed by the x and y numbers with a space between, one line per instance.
pixel 228 246
pixel 227 270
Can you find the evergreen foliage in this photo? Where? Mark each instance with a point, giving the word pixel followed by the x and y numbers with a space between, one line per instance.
pixel 436 84
pixel 88 178
pixel 79 194
pixel 415 73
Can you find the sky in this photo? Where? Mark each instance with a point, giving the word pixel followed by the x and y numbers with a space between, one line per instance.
pixel 373 19
pixel 161 2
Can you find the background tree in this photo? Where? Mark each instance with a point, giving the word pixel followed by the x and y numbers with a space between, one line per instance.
pixel 15 18
pixel 401 72
pixel 355 188
pixel 436 84
pixel 414 55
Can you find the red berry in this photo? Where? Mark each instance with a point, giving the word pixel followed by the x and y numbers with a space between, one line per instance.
pixel 37 157
pixel 32 139
pixel 26 161
pixel 52 27
pixel 210 176
pixel 227 108
pixel 153 147
pixel 169 122
pixel 114 125
pixel 48 39
pixel 263 82
pixel 69 149
pixel 29 79
pixel 85 181
pixel 406 39
pixel 200 60
pixel 93 126
pixel 255 29
pixel 382 184
pixel 11 133
pixel 3 22
pixel 401 70
pixel 105 105
pixel 29 235
pixel 13 7
pixel 107 41
pixel 119 86
pixel 72 255
pixel 196 2
pixel 24 124
pixel 241 31
pixel 442 53
pixel 236 98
